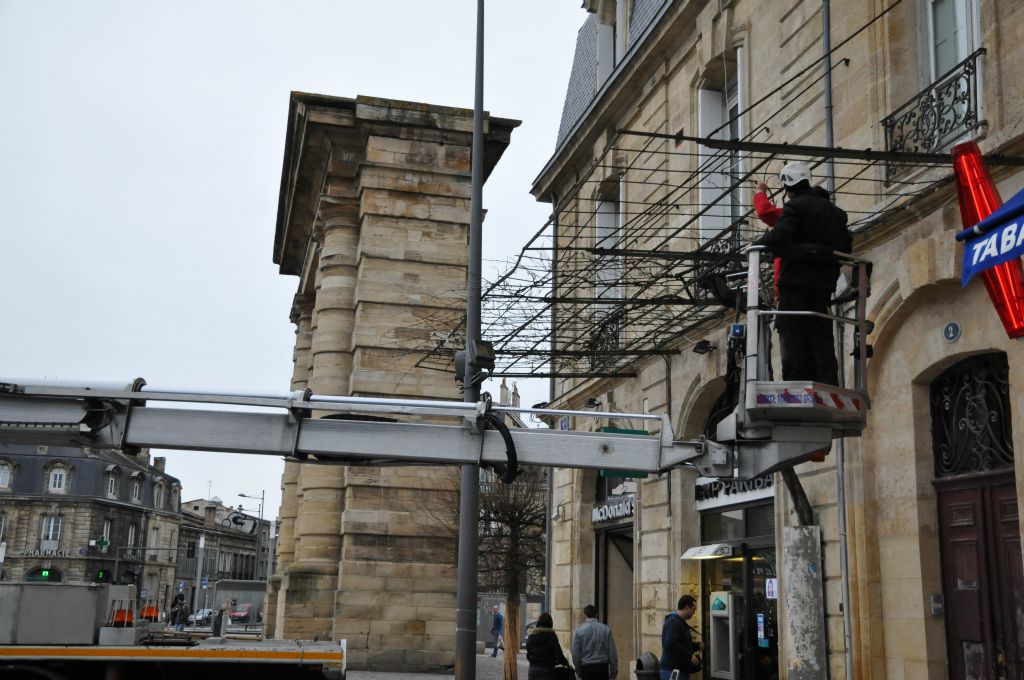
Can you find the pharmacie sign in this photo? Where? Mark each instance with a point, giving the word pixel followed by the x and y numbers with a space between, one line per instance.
pixel 620 507
pixel 714 493
pixel 45 553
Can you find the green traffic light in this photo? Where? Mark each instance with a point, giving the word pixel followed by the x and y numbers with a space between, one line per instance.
pixel 46 573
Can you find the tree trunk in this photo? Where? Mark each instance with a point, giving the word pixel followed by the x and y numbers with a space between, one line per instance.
pixel 512 628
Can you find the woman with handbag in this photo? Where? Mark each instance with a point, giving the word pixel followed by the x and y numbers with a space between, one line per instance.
pixel 547 661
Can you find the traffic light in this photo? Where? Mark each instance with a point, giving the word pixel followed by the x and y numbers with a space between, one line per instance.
pixel 45 573
pixel 102 575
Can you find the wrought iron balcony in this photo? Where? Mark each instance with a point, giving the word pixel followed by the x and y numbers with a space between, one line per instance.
pixel 944 113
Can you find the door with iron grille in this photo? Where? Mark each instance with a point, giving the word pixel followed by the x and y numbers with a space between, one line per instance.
pixel 982 575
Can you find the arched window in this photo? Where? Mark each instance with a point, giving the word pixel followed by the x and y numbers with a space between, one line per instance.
pixel 137 478
pixel 158 496
pixel 44 574
pixel 57 479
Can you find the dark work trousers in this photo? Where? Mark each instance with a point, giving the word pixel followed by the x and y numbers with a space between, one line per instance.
pixel 808 343
pixel 597 671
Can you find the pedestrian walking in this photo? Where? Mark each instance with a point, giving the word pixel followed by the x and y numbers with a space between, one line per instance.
pixel 497 630
pixel 679 651
pixel 183 612
pixel 593 648
pixel 805 235
pixel 543 650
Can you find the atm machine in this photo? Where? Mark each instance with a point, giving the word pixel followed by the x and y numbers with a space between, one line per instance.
pixel 726 614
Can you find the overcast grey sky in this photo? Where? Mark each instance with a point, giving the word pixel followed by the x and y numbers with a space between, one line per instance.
pixel 141 146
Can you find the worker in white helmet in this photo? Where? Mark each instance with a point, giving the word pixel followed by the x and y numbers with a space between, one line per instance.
pixel 810 225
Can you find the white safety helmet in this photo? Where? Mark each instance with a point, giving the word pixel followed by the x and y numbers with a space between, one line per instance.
pixel 794 173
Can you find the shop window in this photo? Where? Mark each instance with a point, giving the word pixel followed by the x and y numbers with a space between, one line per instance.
pixel 44 574
pixel 725 525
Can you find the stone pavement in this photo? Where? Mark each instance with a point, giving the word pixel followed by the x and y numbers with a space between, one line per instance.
pixel 487 668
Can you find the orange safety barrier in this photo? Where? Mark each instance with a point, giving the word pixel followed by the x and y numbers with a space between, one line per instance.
pixel 123 618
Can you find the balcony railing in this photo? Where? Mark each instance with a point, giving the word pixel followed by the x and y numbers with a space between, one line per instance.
pixel 945 112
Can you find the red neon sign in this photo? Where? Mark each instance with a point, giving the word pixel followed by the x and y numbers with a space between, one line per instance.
pixel 979 198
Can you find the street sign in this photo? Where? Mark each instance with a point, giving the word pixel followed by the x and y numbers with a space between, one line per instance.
pixel 206 581
pixel 144 593
pixel 181 585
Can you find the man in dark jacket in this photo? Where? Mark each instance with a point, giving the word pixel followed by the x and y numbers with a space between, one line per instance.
pixel 678 649
pixel 497 630
pixel 809 229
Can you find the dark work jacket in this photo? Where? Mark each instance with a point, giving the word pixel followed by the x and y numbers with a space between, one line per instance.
pixel 677 645
pixel 808 221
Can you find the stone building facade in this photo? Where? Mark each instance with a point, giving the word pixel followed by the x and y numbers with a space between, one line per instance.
pixel 933 486
pixel 229 548
pixel 83 515
pixel 373 220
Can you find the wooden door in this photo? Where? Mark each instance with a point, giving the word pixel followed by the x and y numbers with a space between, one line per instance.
pixel 983 580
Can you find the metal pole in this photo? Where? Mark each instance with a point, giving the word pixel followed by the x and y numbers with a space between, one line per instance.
pixel 469 498
pixel 826 40
pixel 199 576
pixel 259 533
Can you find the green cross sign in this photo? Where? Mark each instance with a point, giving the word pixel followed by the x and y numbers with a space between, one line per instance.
pixel 102 543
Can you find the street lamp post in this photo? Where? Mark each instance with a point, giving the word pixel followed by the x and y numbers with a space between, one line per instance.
pixel 259 528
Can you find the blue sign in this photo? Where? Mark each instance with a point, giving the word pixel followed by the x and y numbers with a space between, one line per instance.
pixel 206 581
pixel 996 239
pixel 181 585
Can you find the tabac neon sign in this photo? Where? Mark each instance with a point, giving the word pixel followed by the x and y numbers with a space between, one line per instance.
pixel 993 237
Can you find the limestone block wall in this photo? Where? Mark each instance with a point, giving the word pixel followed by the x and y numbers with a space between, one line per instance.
pixel 374 221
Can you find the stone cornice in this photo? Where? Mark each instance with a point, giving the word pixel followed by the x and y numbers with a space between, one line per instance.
pixel 322 129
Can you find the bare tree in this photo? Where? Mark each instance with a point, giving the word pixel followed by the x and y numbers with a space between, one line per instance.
pixel 511 547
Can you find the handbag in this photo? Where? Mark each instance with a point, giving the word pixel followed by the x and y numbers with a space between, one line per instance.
pixel 564 673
